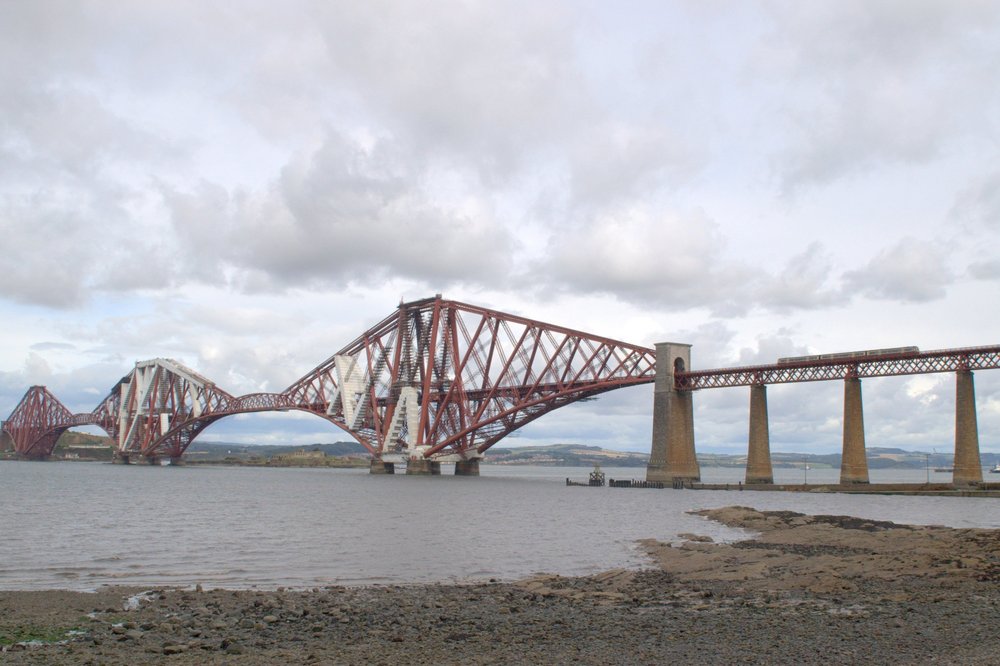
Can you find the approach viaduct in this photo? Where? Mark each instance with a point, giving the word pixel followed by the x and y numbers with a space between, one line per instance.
pixel 443 381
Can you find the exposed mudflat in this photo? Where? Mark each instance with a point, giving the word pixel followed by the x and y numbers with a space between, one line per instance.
pixel 805 589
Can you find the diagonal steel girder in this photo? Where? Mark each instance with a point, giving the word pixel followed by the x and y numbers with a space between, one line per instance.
pixel 37 422
pixel 436 378
pixel 443 378
pixel 159 407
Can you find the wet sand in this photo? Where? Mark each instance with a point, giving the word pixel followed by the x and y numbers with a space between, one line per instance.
pixel 804 589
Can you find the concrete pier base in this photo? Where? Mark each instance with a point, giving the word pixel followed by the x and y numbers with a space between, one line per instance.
pixel 120 459
pixel 968 465
pixel 759 449
pixel 423 467
pixel 379 467
pixel 152 460
pixel 467 467
pixel 672 456
pixel 854 463
pixel 176 461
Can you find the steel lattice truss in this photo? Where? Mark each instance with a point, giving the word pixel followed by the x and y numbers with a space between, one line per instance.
pixel 889 365
pixel 38 421
pixel 161 406
pixel 437 379
pixel 442 379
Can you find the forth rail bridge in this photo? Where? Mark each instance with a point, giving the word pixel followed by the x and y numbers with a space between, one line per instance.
pixel 442 381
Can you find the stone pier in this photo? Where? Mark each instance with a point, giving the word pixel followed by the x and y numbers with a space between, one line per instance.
pixel 379 467
pixel 422 466
pixel 672 456
pixel 759 447
pixel 968 465
pixel 467 467
pixel 176 461
pixel 854 463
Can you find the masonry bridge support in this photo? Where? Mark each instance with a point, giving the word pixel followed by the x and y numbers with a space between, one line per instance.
pixel 672 457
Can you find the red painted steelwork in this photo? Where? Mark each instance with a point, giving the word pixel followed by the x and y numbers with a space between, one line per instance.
pixel 460 376
pixel 37 422
pixel 166 411
pixel 889 365
pixel 436 378
pixel 477 375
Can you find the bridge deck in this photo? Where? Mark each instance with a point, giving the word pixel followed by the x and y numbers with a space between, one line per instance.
pixel 888 365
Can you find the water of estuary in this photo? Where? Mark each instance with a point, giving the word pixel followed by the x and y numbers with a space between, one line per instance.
pixel 82 525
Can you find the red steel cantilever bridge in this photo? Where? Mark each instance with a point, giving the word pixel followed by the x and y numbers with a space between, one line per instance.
pixel 442 381
pixel 435 381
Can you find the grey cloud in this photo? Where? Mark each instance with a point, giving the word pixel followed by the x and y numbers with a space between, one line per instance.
pixel 66 239
pixel 770 348
pixel 711 342
pixel 53 346
pixel 339 215
pixel 802 284
pixel 202 227
pixel 626 162
pixel 79 389
pixel 910 271
pixel 978 206
pixel 43 261
pixel 879 83
pixel 486 81
pixel 71 164
pixel 647 257
pixel 985 270
pixel 678 262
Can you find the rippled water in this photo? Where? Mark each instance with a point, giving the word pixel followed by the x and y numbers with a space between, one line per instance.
pixel 81 525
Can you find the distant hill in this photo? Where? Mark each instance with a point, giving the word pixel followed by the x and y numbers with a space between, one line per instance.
pixel 93 447
pixel 222 450
pixel 587 456
pixel 81 446
pixel 565 455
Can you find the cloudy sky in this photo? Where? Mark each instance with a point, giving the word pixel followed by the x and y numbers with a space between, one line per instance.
pixel 246 186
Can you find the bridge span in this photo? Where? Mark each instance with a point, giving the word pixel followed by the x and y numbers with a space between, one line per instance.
pixel 435 381
pixel 673 452
pixel 443 381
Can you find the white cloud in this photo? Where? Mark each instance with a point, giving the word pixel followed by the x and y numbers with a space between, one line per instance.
pixel 802 284
pixel 877 83
pixel 662 259
pixel 251 200
pixel 342 214
pixel 978 207
pixel 911 270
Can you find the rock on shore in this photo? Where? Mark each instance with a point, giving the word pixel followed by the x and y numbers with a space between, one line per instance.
pixel 807 589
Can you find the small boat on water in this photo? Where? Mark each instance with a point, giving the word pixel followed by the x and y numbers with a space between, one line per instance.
pixel 996 469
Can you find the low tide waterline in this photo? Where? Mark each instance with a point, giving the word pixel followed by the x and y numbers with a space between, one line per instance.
pixel 83 525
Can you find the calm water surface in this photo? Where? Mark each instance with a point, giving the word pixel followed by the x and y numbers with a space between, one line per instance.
pixel 82 525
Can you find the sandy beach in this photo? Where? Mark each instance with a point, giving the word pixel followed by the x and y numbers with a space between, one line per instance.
pixel 804 589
